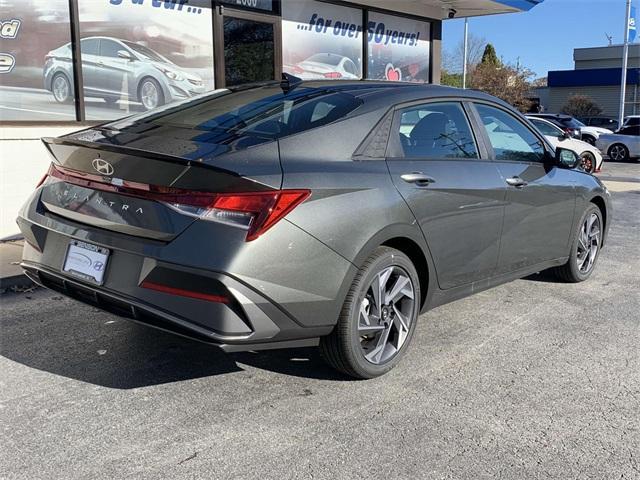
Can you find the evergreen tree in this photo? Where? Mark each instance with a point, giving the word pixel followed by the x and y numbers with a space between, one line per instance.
pixel 489 57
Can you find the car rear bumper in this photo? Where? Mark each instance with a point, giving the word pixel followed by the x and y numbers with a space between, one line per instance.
pixel 259 331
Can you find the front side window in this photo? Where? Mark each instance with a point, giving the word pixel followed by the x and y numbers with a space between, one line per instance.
pixel 436 130
pixel 509 137
pixel 109 48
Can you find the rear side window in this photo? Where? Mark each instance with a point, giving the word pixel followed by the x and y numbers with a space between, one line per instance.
pixel 436 130
pixel 90 46
pixel 509 137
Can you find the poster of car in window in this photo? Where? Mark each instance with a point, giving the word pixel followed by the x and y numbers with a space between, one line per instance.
pixel 29 30
pixel 398 48
pixel 322 40
pixel 140 55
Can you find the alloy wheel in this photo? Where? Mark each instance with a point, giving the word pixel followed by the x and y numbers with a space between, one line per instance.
pixel 60 89
pixel 617 153
pixel 588 162
pixel 588 243
pixel 149 95
pixel 385 316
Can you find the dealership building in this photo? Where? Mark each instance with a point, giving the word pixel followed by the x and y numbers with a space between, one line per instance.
pixel 597 75
pixel 66 64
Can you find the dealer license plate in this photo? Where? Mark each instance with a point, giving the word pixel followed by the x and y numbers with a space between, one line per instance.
pixel 86 261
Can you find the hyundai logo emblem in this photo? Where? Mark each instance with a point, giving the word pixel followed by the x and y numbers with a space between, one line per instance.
pixel 102 166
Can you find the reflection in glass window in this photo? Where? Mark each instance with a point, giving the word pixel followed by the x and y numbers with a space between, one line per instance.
pixel 36 79
pixel 149 55
pixel 249 53
pixel 321 40
pixel 398 48
pixel 436 130
pixel 509 137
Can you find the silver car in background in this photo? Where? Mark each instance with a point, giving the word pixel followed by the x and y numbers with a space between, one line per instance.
pixel 115 69
pixel 622 145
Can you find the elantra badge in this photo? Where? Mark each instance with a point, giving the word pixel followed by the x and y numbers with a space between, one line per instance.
pixel 102 166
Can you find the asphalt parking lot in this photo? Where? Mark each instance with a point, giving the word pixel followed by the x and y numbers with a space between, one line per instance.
pixel 533 379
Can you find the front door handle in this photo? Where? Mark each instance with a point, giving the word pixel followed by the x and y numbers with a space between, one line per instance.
pixel 418 178
pixel 516 182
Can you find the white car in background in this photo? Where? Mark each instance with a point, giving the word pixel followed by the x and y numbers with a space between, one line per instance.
pixel 622 145
pixel 590 155
pixel 322 66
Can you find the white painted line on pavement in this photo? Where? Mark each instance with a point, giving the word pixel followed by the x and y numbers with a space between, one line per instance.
pixel 73 115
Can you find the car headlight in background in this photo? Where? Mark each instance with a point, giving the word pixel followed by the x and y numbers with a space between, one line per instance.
pixel 171 74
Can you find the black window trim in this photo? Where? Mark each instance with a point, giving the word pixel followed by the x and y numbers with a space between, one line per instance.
pixel 395 152
pixel 548 148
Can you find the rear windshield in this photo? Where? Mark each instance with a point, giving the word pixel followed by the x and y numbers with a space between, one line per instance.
pixel 264 112
pixel 326 58
pixel 572 123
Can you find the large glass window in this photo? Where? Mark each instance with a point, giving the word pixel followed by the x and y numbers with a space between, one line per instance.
pixel 436 130
pixel 398 48
pixel 509 137
pixel 138 56
pixel 321 40
pixel 36 75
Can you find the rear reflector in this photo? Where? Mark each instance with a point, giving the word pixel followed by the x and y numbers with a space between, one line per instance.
pixel 255 212
pixel 184 293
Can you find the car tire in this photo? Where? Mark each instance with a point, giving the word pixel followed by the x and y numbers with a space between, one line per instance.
pixel 61 88
pixel 618 152
pixel 588 162
pixel 371 337
pixel 589 139
pixel 150 94
pixel 583 238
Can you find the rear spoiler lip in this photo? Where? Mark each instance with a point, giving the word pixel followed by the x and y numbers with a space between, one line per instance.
pixel 135 152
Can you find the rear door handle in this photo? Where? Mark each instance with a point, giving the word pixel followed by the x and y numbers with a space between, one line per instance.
pixel 418 178
pixel 516 182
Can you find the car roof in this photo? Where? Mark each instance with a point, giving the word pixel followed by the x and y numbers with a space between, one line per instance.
pixel 382 94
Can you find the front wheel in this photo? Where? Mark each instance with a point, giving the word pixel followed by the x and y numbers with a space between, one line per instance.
pixel 150 94
pixel 585 248
pixel 589 139
pixel 588 162
pixel 378 318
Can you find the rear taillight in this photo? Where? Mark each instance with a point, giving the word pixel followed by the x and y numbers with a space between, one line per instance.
pixel 255 212
pixel 333 75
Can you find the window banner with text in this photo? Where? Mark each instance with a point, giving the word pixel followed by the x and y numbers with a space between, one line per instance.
pixel 141 54
pixel 29 32
pixel 321 40
pixel 398 48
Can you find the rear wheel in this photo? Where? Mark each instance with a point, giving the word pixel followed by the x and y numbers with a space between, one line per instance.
pixel 585 248
pixel 618 152
pixel 61 88
pixel 378 318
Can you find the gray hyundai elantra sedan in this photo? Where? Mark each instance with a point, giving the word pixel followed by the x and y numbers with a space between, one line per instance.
pixel 327 213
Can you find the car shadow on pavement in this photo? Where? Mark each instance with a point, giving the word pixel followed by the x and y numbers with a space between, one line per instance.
pixel 544 277
pixel 120 354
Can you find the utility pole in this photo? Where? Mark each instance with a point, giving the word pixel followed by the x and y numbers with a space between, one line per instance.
pixel 465 52
pixel 625 59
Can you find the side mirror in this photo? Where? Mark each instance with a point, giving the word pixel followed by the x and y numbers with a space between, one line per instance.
pixel 567 158
pixel 124 54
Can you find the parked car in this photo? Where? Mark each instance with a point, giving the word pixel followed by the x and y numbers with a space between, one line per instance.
pixel 327 65
pixel 590 156
pixel 573 126
pixel 109 64
pixel 631 121
pixel 622 145
pixel 309 213
pixel 600 121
